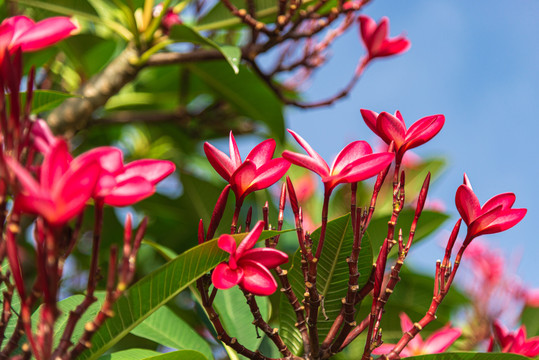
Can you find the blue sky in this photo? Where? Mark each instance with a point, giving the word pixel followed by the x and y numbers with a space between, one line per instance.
pixel 476 63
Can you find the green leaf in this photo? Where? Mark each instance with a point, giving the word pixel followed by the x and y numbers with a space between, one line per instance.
pixel 180 354
pixel 184 33
pixel 468 356
pixel 140 301
pixel 530 318
pixel 165 252
pixel 332 278
pixel 166 328
pixel 245 91
pixel 237 318
pixel 44 100
pixel 427 224
pixel 131 354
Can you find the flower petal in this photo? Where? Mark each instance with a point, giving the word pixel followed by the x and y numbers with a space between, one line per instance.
pixel 441 340
pixel 416 343
pixel 506 200
pixel 370 117
pixel 30 186
pixel 467 204
pixel 383 349
pixel 234 152
pixel 267 257
pixel 152 170
pixel 55 164
pixel 269 173
pixel 250 240
pixel 392 128
pixel 367 26
pixel 503 221
pixel 129 191
pixel 349 154
pixel 378 36
pixel 306 162
pixel 220 162
pixel 366 167
pixel 242 178
pixel 257 279
pixel 110 158
pixel 394 46
pixel 313 154
pixel 262 153
pixel 227 243
pixel 45 33
pixel 223 277
pixel 423 130
pixel 12 28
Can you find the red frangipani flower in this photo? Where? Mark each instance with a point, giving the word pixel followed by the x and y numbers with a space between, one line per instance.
pixel 22 32
pixel 516 342
pixel 375 38
pixel 355 162
pixel 392 128
pixel 64 187
pixel 257 172
pixel 248 267
pixel 438 342
pixel 496 215
pixel 124 185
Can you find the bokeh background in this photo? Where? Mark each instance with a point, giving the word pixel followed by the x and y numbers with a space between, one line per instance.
pixel 476 63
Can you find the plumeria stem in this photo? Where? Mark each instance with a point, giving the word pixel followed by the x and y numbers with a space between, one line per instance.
pixel 323 227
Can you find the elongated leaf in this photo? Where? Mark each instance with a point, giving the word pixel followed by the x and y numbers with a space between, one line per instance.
pixel 184 33
pixel 530 318
pixel 166 328
pixel 131 354
pixel 44 100
pixel 155 290
pixel 468 356
pixel 177 355
pixel 237 318
pixel 246 91
pixel 427 224
pixel 332 278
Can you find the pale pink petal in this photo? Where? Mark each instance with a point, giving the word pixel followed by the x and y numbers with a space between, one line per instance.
pixel 306 162
pixel 234 152
pixel 506 200
pixel 269 173
pixel 313 154
pixel 383 349
pixel 152 170
pixel 349 154
pixel 392 128
pixel 45 33
pixel 223 277
pixel 242 178
pixel 227 243
pixel 110 158
pixel 416 343
pixel 467 204
pixel 219 160
pixel 257 279
pixel 129 192
pixel 250 240
pixel 55 164
pixel 267 257
pixel 441 340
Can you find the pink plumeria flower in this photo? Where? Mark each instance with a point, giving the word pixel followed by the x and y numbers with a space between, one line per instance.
pixel 392 128
pixel 257 172
pixel 355 162
pixel 438 342
pixel 21 32
pixel 248 267
pixel 42 136
pixel 375 38
pixel 63 189
pixel 516 342
pixel 496 215
pixel 124 185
